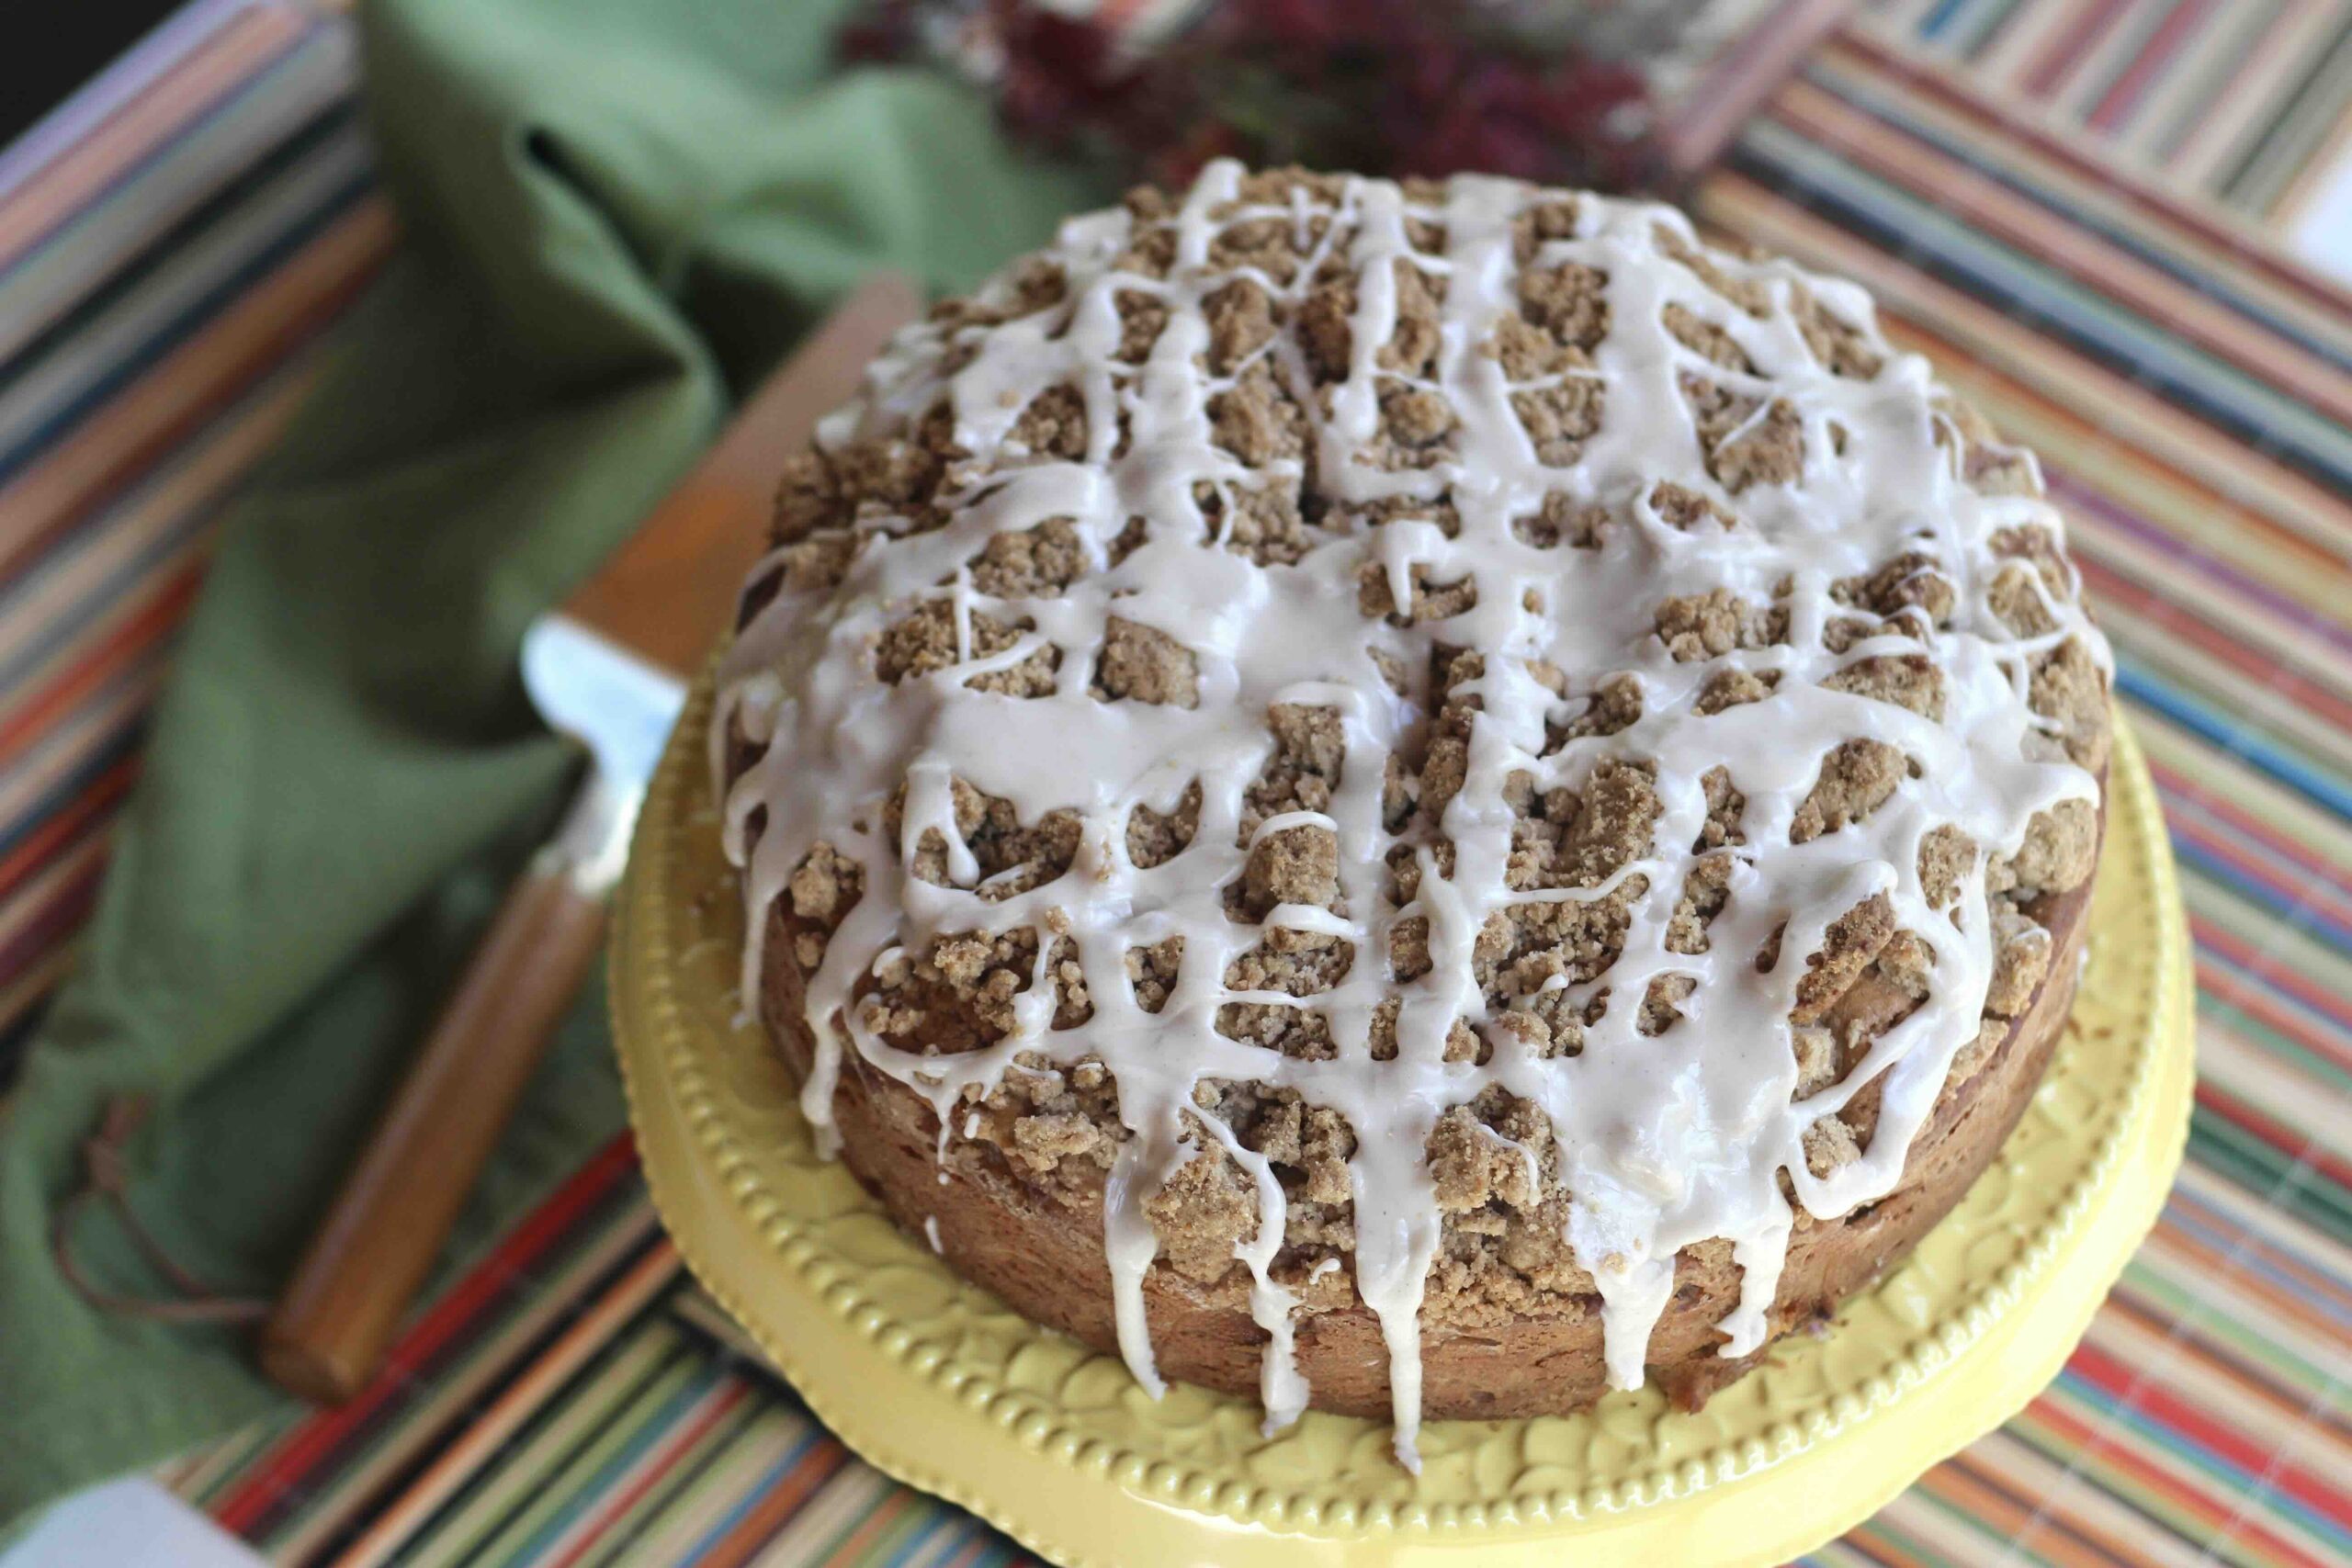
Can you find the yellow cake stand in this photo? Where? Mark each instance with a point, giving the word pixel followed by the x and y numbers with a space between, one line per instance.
pixel 936 1382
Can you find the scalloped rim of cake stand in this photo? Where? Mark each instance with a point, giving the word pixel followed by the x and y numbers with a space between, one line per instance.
pixel 917 1370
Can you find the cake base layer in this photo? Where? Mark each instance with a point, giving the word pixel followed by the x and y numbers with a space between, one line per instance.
pixel 1040 1248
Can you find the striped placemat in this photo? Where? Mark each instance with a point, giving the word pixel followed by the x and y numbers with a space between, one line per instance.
pixel 2239 101
pixel 2006 176
pixel 170 246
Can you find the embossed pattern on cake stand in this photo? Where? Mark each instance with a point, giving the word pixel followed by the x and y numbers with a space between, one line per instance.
pixel 936 1382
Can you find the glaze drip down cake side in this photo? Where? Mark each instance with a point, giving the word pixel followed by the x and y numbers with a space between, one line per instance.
pixel 1423 800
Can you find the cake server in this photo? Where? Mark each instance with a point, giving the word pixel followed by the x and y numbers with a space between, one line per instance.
pixel 609 669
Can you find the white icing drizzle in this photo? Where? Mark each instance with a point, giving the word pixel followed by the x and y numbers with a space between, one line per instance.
pixel 1666 1141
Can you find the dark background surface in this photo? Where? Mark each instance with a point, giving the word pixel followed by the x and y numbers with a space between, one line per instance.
pixel 48 50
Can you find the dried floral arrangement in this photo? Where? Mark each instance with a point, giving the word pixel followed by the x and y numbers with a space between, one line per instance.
pixel 1568 92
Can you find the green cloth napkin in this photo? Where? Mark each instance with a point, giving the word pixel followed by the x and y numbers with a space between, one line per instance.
pixel 618 213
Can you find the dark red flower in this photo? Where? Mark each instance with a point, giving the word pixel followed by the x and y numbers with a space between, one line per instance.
pixel 1383 85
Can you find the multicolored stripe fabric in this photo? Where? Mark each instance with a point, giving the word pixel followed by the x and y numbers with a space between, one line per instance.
pixel 576 1401
pixel 169 249
pixel 171 245
pixel 2239 101
pixel 2191 392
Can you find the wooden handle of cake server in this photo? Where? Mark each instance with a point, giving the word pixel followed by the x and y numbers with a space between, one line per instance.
pixel 328 1336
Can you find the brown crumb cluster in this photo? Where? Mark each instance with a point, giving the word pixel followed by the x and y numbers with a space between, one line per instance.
pixel 1210 1204
pixel 1013 857
pixel 927 641
pixel 1281 335
pixel 958 996
pixel 1144 665
pixel 1710 624
pixel 1054 1124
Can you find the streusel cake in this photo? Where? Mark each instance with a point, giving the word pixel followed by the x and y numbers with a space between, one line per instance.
pixel 1425 798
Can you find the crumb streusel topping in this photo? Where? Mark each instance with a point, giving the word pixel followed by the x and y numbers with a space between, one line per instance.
pixel 1440 744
